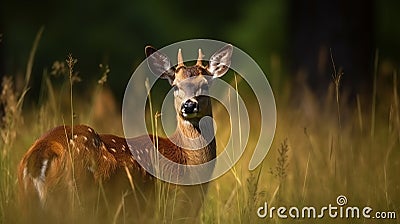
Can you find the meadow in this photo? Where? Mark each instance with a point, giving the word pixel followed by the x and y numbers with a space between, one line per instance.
pixel 323 148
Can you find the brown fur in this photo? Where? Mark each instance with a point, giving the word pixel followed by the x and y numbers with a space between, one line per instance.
pixel 66 169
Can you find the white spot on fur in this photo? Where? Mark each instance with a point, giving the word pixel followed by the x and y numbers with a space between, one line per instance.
pixel 105 158
pixel 38 182
pixel 113 150
pixel 113 140
pixel 75 136
pixel 123 148
pixel 90 130
pixel 43 169
pixel 72 142
pixel 85 138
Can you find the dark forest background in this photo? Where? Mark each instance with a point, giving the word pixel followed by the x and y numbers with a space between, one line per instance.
pixel 298 35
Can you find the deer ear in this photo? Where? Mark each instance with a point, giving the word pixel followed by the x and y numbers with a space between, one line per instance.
pixel 159 64
pixel 220 61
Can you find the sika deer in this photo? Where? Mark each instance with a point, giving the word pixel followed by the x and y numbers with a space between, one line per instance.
pixel 67 164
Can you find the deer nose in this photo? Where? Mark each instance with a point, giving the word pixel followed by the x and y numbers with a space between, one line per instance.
pixel 189 107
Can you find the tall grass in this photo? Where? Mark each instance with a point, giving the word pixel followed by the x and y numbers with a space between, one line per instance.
pixel 316 156
pixel 12 101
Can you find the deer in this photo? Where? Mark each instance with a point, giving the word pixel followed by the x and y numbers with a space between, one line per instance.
pixel 69 162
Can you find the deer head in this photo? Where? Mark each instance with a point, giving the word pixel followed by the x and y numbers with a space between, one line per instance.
pixel 190 83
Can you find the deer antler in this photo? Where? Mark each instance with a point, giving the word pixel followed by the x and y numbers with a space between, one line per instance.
pixel 199 63
pixel 180 58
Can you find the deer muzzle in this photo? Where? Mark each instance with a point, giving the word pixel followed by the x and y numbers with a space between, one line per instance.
pixel 190 108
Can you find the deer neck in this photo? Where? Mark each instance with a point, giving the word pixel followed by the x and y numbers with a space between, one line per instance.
pixel 196 139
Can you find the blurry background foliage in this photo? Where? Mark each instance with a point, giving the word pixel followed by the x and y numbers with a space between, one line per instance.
pixel 283 36
pixel 323 146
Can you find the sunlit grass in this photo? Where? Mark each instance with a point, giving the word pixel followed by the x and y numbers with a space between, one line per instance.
pixel 319 151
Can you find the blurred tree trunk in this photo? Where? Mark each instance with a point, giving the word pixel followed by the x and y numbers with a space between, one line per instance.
pixel 345 28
